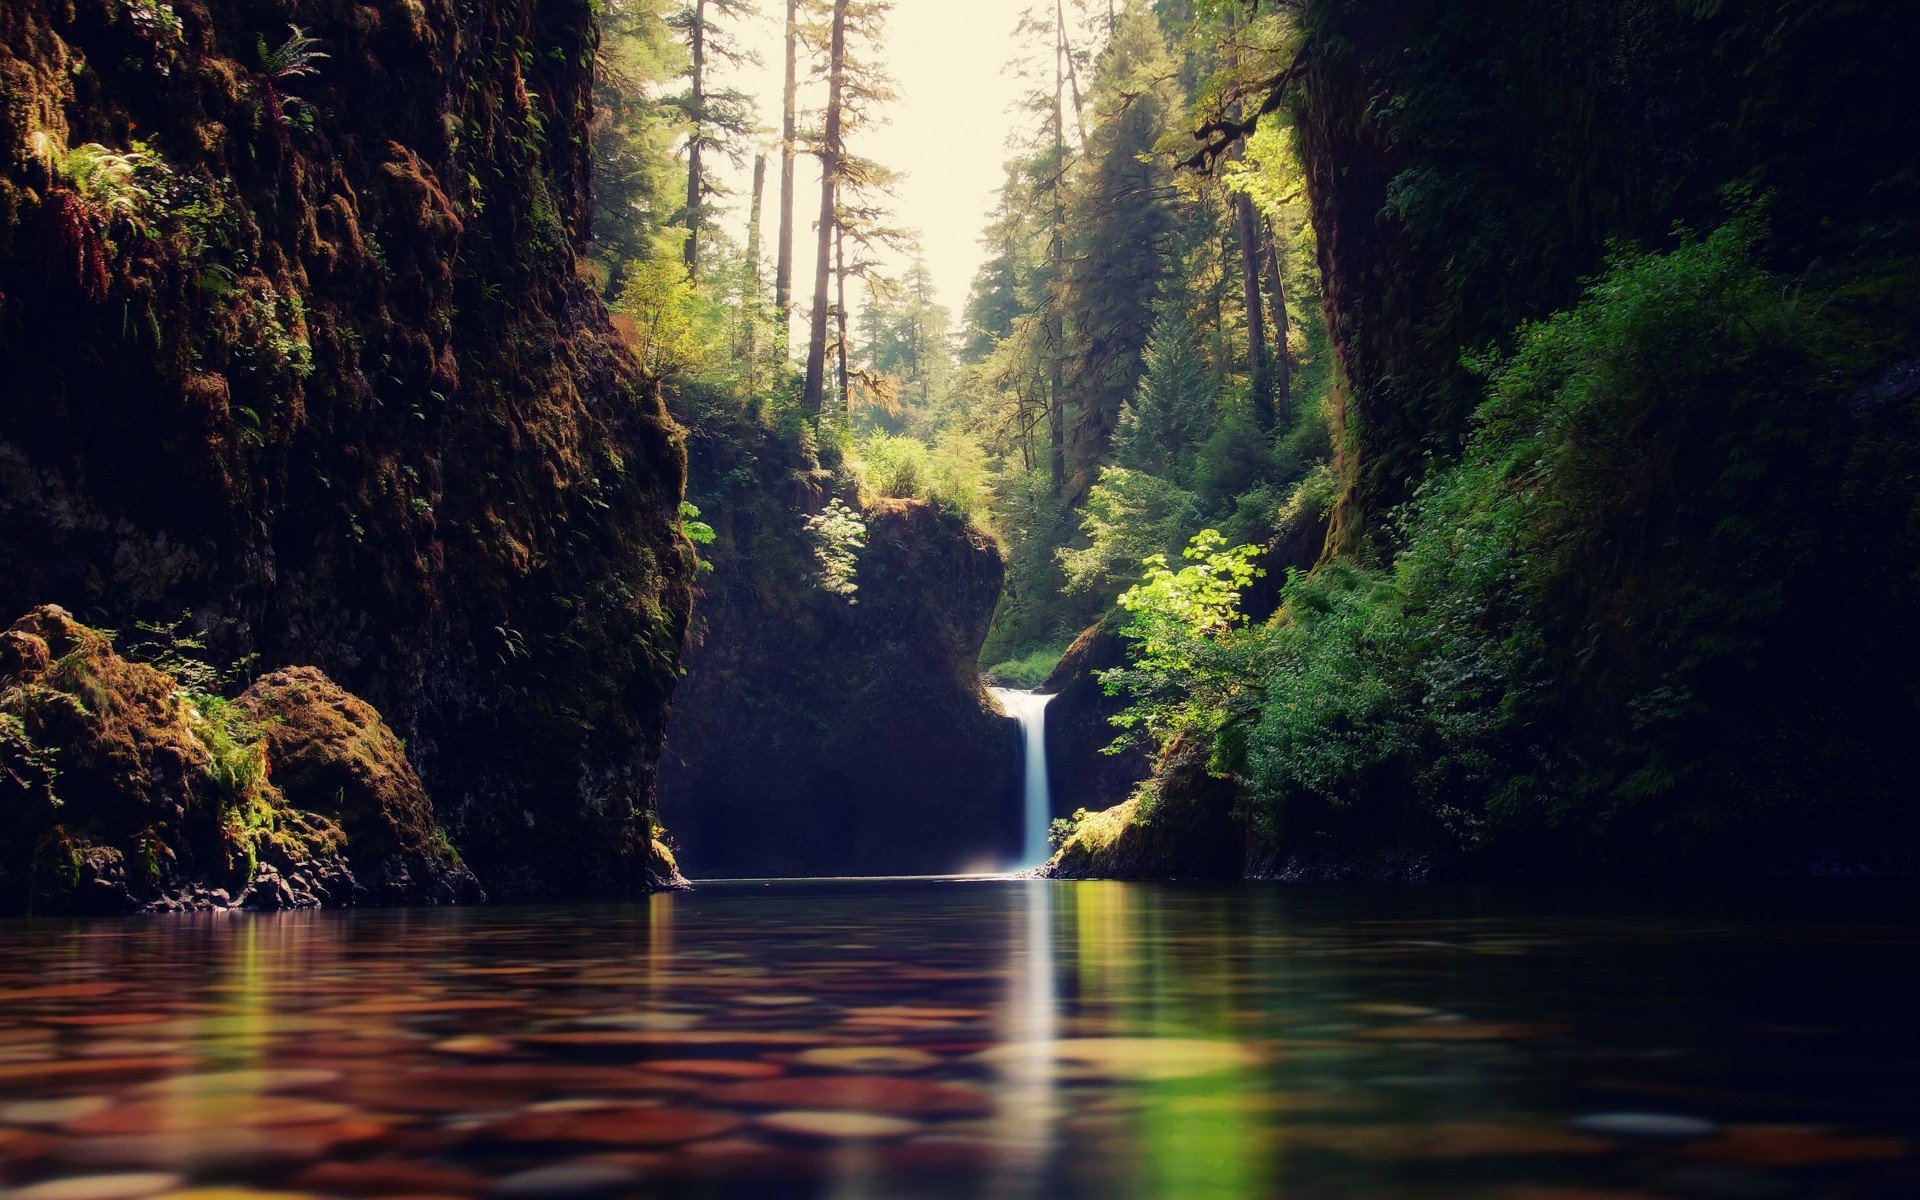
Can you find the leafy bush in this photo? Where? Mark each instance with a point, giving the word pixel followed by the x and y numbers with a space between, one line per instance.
pixel 838 535
pixel 1027 671
pixel 1130 516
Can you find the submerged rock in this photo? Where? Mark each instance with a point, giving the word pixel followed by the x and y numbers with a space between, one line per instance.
pixel 120 790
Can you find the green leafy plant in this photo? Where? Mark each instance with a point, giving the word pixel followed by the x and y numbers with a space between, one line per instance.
pixel 838 535
pixel 96 192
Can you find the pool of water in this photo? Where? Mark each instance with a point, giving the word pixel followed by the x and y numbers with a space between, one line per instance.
pixel 1008 1038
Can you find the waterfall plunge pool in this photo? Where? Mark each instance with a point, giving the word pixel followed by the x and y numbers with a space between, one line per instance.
pixel 989 1039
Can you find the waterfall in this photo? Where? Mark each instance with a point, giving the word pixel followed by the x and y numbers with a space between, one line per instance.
pixel 1030 709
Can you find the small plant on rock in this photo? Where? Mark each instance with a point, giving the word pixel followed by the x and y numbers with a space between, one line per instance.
pixel 838 535
pixel 93 192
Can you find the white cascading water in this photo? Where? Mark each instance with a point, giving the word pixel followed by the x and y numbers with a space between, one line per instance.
pixel 1030 709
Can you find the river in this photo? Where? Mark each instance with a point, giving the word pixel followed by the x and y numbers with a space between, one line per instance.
pixel 985 1038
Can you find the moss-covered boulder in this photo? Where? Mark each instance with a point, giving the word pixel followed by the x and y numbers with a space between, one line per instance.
pixel 120 790
pixel 1180 825
pixel 332 754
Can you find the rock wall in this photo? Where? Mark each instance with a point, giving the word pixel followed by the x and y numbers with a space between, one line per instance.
pixel 819 733
pixel 297 342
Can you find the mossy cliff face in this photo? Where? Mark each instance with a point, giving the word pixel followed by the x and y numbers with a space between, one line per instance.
pixel 297 340
pixel 119 790
pixel 835 733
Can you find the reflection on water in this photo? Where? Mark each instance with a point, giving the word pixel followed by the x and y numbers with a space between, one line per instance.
pixel 979 1039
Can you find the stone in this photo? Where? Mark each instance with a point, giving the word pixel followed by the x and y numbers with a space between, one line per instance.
pixel 1640 1126
pixel 131 1185
pixel 836 1126
pixel 614 1127
pixel 867 1058
pixel 52 1112
pixel 565 1181
pixel 858 1093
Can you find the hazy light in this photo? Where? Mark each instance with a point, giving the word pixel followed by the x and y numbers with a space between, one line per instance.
pixel 947 134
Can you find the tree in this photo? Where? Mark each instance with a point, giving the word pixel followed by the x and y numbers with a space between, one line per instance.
pixel 717 119
pixel 1171 412
pixel 783 262
pixel 856 87
pixel 831 152
pixel 1120 222
pixel 634 127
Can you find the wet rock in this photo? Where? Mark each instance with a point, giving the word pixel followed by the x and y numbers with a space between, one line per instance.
pixel 875 750
pixel 834 1126
pixel 565 1181
pixel 1080 773
pixel 512 593
pixel 1192 833
pixel 612 1127
pixel 131 1185
pixel 119 791
pixel 855 1093
pixel 1646 1126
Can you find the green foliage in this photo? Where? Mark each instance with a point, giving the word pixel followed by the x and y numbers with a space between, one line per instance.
pixel 838 535
pixel 678 330
pixel 1028 671
pixel 1179 624
pixel 1593 638
pixel 1130 517
pixel 171 648
pixel 1061 829
pixel 113 187
pixel 698 532
pixel 1171 412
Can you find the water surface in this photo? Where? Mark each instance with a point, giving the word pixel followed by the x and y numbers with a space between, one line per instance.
pixel 969 1039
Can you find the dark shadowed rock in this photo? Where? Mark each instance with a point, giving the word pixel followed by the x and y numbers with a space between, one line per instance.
pixel 1080 725
pixel 1180 827
pixel 824 733
pixel 350 397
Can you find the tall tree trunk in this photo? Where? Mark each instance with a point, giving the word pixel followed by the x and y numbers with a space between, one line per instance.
pixel 1258 378
pixel 753 316
pixel 830 156
pixel 783 264
pixel 1073 73
pixel 1057 254
pixel 695 145
pixel 753 223
pixel 1247 229
pixel 840 318
pixel 1282 360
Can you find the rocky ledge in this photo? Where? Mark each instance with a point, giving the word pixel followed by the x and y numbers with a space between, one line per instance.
pixel 122 790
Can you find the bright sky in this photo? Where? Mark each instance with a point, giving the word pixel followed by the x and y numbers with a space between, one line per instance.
pixel 947 136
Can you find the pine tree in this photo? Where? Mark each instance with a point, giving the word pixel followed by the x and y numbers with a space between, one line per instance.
pixel 1172 410
pixel 1120 221
pixel 717 119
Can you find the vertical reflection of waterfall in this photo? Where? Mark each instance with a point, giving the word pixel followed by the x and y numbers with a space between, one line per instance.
pixel 1030 709
pixel 1025 1106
